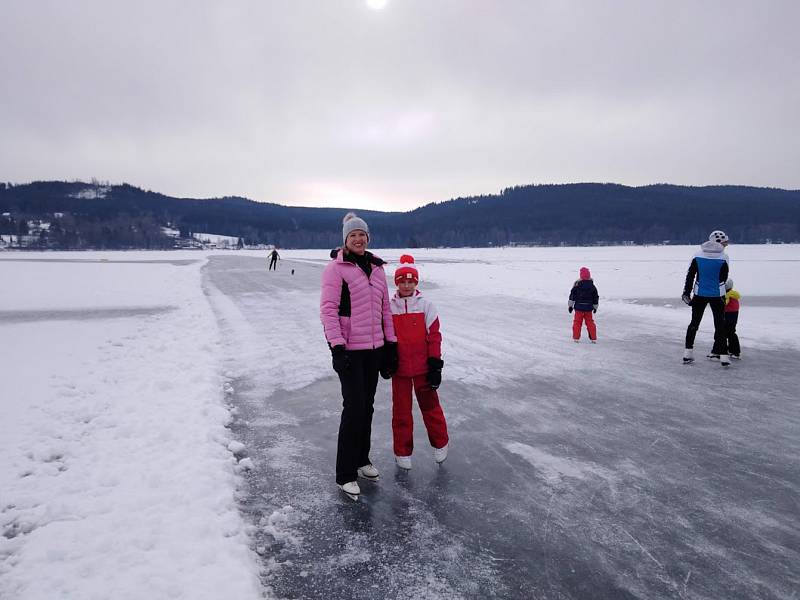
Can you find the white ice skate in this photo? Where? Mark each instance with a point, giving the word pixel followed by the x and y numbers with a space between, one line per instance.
pixel 439 454
pixel 369 472
pixel 404 462
pixel 724 360
pixel 736 356
pixel 351 489
pixel 688 356
pixel 712 356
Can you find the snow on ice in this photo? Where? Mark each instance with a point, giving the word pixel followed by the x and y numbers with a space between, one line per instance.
pixel 115 479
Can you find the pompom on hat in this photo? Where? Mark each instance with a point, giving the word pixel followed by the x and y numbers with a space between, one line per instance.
pixel 350 223
pixel 585 274
pixel 406 271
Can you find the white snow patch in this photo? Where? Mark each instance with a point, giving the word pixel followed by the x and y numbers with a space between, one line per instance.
pixel 114 477
pixel 236 447
pixel 552 467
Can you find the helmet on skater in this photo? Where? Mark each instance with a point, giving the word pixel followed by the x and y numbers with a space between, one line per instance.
pixel 718 236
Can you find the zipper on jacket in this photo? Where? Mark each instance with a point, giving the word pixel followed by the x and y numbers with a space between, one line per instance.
pixel 372 313
pixel 371 300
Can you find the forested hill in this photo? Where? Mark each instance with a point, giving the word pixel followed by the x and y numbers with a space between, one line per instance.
pixel 94 215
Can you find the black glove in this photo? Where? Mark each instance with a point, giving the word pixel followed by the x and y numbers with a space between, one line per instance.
pixel 569 308
pixel 687 299
pixel 434 376
pixel 341 361
pixel 594 308
pixel 389 360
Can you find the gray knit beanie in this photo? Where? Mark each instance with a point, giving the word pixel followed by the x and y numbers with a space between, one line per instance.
pixel 350 223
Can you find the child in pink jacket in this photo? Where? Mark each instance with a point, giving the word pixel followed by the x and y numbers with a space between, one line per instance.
pixel 357 320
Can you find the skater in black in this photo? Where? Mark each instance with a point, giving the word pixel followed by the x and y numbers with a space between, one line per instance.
pixel 706 276
pixel 273 260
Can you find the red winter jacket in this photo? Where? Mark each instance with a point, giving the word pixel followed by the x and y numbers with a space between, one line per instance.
pixel 416 324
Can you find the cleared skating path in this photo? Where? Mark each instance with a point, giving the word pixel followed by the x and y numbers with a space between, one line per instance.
pixel 576 471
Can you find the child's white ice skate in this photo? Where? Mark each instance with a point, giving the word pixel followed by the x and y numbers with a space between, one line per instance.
pixel 404 462
pixel 688 356
pixel 439 454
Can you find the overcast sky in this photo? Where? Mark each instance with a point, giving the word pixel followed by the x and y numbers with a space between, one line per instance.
pixel 337 103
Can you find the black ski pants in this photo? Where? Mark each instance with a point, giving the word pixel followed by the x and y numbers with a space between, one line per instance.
pixel 359 383
pixel 717 304
pixel 273 264
pixel 731 318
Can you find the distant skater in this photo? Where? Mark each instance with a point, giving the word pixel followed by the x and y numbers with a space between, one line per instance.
pixel 584 300
pixel 732 298
pixel 273 260
pixel 706 277
pixel 419 350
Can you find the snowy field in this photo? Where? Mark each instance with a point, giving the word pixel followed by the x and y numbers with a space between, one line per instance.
pixel 125 377
pixel 115 479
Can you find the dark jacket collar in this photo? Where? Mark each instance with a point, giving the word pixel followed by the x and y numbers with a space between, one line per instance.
pixel 369 258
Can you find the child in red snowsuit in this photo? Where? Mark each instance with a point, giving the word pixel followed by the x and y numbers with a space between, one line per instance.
pixel 583 299
pixel 419 349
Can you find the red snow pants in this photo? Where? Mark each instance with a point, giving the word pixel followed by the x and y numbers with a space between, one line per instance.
pixel 577 321
pixel 403 421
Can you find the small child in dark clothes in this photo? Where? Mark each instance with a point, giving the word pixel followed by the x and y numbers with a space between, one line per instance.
pixel 583 299
pixel 732 298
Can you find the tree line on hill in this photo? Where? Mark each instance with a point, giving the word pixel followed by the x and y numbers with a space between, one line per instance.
pixel 78 215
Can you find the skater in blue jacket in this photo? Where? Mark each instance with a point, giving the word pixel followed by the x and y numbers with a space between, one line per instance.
pixel 706 278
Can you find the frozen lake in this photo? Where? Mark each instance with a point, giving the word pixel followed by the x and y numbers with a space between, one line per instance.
pixel 607 471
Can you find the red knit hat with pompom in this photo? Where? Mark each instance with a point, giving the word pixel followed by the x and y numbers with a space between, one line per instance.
pixel 407 271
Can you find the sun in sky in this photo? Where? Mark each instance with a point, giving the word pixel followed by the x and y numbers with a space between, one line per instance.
pixel 377 4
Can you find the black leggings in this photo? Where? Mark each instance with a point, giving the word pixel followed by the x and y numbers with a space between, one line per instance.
pixel 359 383
pixel 731 318
pixel 717 304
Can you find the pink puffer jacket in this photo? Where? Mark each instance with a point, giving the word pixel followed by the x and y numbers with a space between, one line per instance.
pixel 368 322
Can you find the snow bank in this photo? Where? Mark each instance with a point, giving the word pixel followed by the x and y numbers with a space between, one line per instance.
pixel 115 476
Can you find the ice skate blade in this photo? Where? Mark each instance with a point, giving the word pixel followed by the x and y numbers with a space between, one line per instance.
pixel 353 497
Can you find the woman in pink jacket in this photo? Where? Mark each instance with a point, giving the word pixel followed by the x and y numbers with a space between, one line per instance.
pixel 357 319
